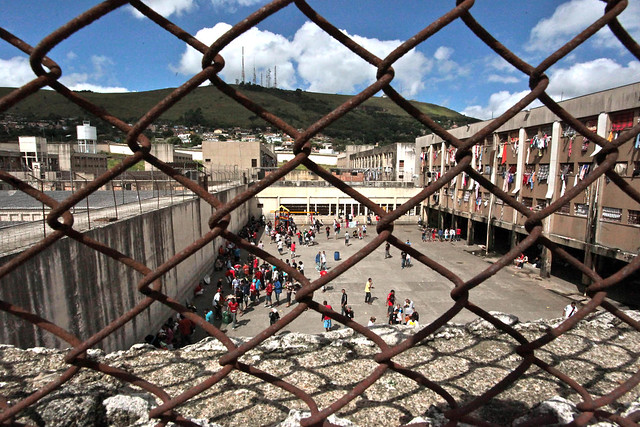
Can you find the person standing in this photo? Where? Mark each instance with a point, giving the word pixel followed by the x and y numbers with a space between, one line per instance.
pixel 274 316
pixel 233 309
pixel 403 256
pixel 318 258
pixel 367 291
pixel 346 239
pixel 343 301
pixel 325 317
pixel 391 301
pixel 387 249
pixel 277 288
pixel 570 310
pixel 217 303
pixel 323 261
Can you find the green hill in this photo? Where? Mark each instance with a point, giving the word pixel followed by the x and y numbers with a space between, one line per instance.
pixel 377 120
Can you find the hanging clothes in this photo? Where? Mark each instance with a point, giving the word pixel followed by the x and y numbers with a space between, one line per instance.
pixel 637 145
pixel 504 153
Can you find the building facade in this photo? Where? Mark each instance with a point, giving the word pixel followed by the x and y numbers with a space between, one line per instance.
pixel 244 154
pixel 394 162
pixel 536 159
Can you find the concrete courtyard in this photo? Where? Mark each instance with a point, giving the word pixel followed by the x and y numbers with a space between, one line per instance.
pixel 515 291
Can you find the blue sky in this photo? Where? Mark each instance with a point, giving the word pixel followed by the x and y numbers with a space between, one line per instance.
pixel 126 52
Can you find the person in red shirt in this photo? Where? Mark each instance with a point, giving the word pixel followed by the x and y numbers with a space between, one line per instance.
pixel 233 309
pixel 391 300
pixel 293 250
pixel 185 327
pixel 325 318
pixel 268 290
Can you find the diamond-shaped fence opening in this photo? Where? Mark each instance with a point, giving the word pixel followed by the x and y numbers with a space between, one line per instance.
pixel 527 351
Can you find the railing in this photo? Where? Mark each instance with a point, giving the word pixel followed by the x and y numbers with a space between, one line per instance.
pixel 61 220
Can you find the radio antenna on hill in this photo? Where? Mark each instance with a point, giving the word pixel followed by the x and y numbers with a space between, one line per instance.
pixel 275 76
pixel 242 64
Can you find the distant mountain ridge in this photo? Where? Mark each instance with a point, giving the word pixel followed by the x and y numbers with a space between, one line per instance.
pixel 376 120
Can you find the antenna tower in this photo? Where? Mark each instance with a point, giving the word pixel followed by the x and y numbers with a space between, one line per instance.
pixel 268 77
pixel 275 76
pixel 242 64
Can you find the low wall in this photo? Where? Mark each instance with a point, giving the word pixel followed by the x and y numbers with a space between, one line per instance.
pixel 82 290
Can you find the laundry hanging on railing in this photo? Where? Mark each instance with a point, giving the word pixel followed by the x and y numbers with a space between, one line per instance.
pixel 584 171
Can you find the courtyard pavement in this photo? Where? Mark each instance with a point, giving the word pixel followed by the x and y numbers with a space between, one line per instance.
pixel 519 292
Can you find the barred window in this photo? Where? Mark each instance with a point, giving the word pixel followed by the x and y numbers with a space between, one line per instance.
pixel 528 202
pixel 611 214
pixel 634 217
pixel 581 209
pixel 467 195
pixel 543 172
pixel 565 209
pixel 541 204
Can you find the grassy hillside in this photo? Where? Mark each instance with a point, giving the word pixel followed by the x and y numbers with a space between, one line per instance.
pixel 377 120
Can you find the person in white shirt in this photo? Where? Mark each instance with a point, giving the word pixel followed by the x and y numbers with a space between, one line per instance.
pixel 570 310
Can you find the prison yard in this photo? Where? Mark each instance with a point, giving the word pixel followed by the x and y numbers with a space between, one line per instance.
pixel 521 292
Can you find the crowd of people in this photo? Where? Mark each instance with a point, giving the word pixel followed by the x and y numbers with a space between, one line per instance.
pixel 434 234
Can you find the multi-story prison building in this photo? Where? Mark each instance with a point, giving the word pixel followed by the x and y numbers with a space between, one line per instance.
pixel 536 158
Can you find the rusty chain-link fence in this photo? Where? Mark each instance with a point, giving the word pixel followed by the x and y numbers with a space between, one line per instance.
pixel 62 221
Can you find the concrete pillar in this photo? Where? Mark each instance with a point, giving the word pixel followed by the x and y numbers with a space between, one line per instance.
pixel 470 236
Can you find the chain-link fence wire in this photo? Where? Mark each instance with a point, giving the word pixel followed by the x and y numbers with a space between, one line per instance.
pixel 62 221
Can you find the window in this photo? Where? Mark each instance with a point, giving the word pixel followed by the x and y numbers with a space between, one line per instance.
pixel 611 214
pixel 566 168
pixel 565 209
pixel 487 170
pixel 634 217
pixel 528 202
pixel 467 195
pixel 541 204
pixel 581 209
pixel 401 163
pixel 543 172
pixel 207 160
pixel 254 163
pixel 621 168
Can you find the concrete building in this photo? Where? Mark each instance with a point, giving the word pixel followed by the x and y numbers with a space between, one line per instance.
pixel 536 158
pixel 394 162
pixel 327 202
pixel 245 155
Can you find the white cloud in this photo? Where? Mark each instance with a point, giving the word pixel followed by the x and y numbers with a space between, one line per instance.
pixel 499 102
pixel 15 72
pixel 313 60
pixel 570 18
pixel 579 79
pixel 443 53
pixel 502 79
pixel 592 76
pixel 232 5
pixel 81 81
pixel 166 7
pixel 262 50
pixel 71 55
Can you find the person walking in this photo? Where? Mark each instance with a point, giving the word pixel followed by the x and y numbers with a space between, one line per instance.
pixel 367 291
pixel 346 239
pixel 387 249
pixel 293 250
pixel 233 309
pixel 343 301
pixel 325 317
pixel 323 261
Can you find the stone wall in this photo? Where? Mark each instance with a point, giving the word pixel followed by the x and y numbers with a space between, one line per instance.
pixel 600 353
pixel 82 290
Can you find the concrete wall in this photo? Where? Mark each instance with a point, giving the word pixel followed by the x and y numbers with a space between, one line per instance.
pixel 82 290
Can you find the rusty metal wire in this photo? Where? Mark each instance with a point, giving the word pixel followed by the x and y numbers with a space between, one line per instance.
pixel 61 220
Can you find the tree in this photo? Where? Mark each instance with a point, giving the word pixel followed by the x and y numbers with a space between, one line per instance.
pixel 174 140
pixel 195 139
